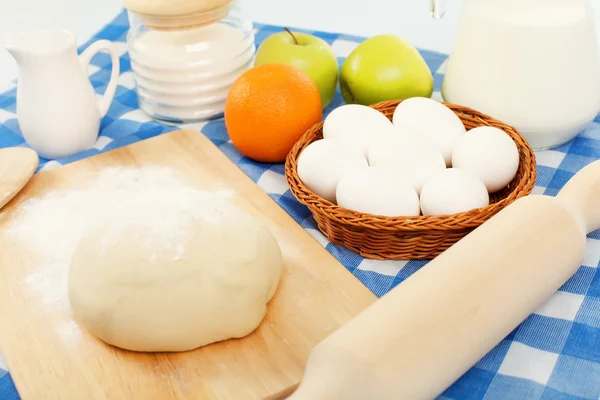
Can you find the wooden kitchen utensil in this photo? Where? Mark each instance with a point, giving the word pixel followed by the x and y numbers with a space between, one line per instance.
pixel 202 14
pixel 50 358
pixel 17 166
pixel 428 331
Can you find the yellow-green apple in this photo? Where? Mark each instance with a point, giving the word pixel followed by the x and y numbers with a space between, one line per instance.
pixel 384 67
pixel 308 53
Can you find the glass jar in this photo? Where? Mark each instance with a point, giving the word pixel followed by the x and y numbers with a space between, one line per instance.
pixel 183 66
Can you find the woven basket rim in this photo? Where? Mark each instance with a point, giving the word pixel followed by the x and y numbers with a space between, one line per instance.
pixel 457 221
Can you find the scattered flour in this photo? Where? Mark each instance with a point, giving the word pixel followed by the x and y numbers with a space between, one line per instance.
pixel 69 331
pixel 52 225
pixel 49 281
pixel 156 196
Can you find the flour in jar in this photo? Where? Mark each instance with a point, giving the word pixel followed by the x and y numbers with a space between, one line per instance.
pixel 184 75
pixel 52 225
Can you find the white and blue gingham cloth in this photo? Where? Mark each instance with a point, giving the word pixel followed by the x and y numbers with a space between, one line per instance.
pixel 554 354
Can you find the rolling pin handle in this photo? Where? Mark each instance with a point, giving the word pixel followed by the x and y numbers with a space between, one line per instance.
pixel 581 197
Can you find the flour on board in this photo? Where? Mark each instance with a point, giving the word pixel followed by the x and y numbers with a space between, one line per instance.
pixel 53 224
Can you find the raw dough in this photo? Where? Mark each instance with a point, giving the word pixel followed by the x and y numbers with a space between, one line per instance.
pixel 174 281
pixel 172 7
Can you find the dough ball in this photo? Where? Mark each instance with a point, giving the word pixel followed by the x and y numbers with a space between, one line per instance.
pixel 172 7
pixel 173 281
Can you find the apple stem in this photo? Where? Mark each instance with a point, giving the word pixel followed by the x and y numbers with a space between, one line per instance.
pixel 291 34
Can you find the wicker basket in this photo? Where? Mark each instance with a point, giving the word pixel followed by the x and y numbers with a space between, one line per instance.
pixel 405 238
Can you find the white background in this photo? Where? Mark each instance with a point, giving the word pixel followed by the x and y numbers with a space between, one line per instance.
pixel 407 18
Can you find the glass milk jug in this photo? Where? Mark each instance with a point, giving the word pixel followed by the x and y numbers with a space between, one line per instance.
pixel 533 64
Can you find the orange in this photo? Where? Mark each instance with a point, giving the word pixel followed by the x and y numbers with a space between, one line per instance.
pixel 268 108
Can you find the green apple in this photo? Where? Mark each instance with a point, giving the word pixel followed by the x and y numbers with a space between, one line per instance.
pixel 308 53
pixel 384 67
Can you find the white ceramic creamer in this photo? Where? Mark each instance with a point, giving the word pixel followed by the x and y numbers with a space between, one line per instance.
pixel 533 64
pixel 57 108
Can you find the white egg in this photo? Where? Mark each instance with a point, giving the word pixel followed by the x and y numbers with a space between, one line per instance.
pixel 372 190
pixel 356 125
pixel 322 164
pixel 452 191
pixel 412 156
pixel 490 154
pixel 432 119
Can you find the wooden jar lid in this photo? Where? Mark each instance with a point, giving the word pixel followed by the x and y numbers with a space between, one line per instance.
pixel 178 14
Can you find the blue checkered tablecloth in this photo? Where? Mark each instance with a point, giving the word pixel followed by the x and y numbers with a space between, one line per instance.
pixel 554 354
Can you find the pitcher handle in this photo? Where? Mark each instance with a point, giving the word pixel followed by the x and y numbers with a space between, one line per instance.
pixel 86 57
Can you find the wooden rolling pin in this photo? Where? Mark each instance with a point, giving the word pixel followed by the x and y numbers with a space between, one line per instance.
pixel 427 332
pixel 17 166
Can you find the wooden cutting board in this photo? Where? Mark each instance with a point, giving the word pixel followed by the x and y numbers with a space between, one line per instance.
pixel 316 295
